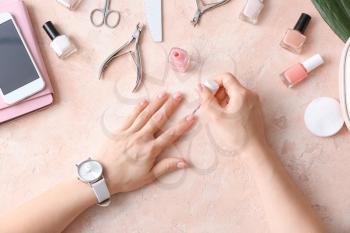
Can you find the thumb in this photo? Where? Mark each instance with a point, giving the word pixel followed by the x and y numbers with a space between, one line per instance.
pixel 168 165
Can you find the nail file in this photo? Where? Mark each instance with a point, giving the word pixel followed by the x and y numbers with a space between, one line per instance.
pixel 153 9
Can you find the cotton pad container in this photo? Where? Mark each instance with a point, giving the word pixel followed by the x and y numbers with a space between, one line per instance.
pixel 323 117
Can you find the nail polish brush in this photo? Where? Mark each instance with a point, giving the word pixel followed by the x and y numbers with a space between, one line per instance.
pixel 212 86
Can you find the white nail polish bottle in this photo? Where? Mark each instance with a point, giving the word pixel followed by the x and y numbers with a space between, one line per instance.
pixel 251 11
pixel 70 4
pixel 61 44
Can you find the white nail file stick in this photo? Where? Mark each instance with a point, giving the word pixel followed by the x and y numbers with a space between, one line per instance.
pixel 212 86
pixel 323 117
pixel 153 10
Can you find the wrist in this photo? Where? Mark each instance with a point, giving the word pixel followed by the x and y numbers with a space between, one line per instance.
pixel 108 175
pixel 82 192
pixel 111 186
pixel 255 149
pixel 91 174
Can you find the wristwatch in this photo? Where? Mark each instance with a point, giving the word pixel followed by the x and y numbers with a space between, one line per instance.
pixel 91 172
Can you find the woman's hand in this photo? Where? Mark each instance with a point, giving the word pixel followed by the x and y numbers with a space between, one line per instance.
pixel 233 115
pixel 130 160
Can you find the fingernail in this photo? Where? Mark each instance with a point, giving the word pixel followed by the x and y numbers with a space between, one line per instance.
pixel 181 165
pixel 163 95
pixel 143 103
pixel 177 96
pixel 190 118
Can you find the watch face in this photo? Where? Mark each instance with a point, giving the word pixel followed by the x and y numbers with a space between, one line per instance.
pixel 90 171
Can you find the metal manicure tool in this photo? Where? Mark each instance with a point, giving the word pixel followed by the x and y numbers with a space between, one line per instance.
pixel 105 14
pixel 202 8
pixel 136 55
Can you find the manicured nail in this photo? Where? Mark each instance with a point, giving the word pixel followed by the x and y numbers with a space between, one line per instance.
pixel 190 118
pixel 163 95
pixel 143 103
pixel 177 96
pixel 181 165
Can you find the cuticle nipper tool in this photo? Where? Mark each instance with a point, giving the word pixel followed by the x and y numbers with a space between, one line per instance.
pixel 202 8
pixel 136 55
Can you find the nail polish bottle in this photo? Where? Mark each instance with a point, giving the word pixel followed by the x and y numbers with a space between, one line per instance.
pixel 294 39
pixel 70 4
pixel 179 60
pixel 299 72
pixel 251 11
pixel 61 44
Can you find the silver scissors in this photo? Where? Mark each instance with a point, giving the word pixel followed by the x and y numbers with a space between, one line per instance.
pixel 105 14
pixel 203 8
pixel 136 55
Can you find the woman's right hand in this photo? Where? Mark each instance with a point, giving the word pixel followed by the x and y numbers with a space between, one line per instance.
pixel 233 115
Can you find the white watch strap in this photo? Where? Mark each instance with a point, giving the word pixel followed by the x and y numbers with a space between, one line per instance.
pixel 101 191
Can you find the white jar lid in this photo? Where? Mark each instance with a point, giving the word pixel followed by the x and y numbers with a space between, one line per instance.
pixel 323 117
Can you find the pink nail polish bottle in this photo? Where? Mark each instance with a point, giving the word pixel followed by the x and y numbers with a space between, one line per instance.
pixel 294 39
pixel 179 60
pixel 299 72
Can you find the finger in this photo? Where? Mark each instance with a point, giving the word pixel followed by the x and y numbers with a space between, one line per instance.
pixel 230 83
pixel 159 119
pixel 223 103
pixel 208 100
pixel 207 97
pixel 221 94
pixel 168 165
pixel 153 107
pixel 136 112
pixel 174 133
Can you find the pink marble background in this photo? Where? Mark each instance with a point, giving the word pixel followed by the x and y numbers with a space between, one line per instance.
pixel 218 195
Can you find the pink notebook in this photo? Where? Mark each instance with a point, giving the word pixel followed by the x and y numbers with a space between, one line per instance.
pixel 42 99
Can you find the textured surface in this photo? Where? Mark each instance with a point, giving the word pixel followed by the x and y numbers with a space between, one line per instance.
pixel 218 195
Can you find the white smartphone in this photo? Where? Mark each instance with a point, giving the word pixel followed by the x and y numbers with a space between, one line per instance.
pixel 19 74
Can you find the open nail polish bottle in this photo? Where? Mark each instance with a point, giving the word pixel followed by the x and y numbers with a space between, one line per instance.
pixel 61 44
pixel 294 39
pixel 251 11
pixel 179 60
pixel 299 72
pixel 70 4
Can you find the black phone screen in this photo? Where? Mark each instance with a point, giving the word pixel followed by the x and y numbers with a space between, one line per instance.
pixel 16 67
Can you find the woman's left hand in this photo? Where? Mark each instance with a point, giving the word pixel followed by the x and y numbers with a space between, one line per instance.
pixel 130 160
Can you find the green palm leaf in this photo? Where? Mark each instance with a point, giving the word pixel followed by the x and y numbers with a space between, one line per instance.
pixel 337 14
